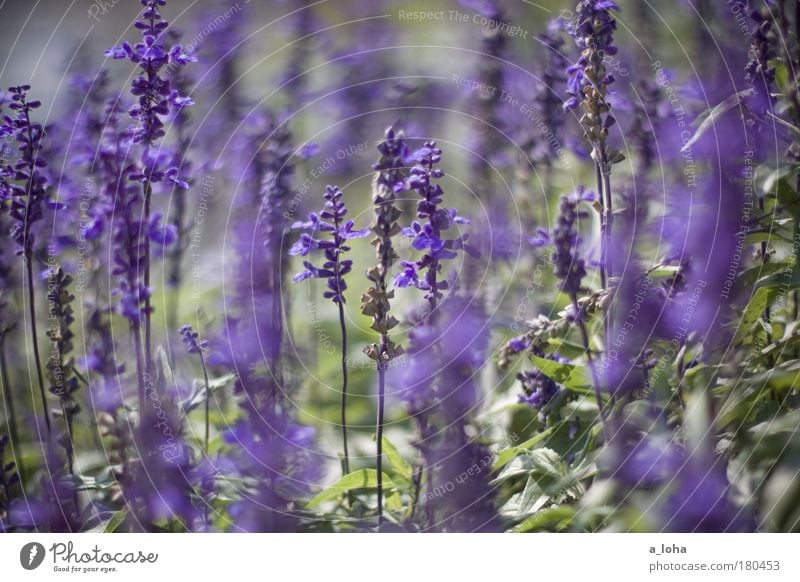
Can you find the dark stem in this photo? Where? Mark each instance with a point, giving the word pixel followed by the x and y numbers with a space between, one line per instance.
pixel 28 255
pixel 34 339
pixel 379 434
pixel 277 327
pixel 796 245
pixel 595 379
pixel 208 396
pixel 68 447
pixel 417 480
pixel 140 372
pixel 148 337
pixel 8 393
pixel 70 451
pixel 346 459
pixel 175 258
pixel 764 261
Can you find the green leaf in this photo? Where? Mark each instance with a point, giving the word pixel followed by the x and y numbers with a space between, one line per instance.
pixel 506 455
pixel 565 348
pixel 765 234
pixel 786 281
pixel 552 519
pixel 116 520
pixel 533 498
pixel 397 462
pixel 571 376
pixel 198 395
pixel 770 183
pixel 663 271
pixel 748 278
pixel 164 374
pixel 361 479
pixel 544 462
pixel 755 307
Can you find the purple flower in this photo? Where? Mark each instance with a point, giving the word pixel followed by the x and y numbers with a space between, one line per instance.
pixel 593 30
pixel 104 371
pixel 429 235
pixel 192 341
pixel 440 390
pixel 568 264
pixel 538 389
pixel 153 90
pixel 538 145
pixel 162 235
pixel 699 501
pixel 331 220
pixel 26 184
pixel 519 344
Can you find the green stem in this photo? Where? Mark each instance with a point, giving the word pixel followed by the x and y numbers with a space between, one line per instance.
pixel 346 459
pixel 379 435
pixel 588 351
pixel 208 397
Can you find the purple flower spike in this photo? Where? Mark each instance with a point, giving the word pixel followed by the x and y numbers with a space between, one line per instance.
pixel 428 236
pixel 153 90
pixel 330 220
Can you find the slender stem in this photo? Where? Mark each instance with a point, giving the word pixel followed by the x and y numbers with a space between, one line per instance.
pixel 8 393
pixel 603 245
pixel 346 460
pixel 796 257
pixel 595 379
pixel 764 261
pixel 175 259
pixel 379 435
pixel 68 447
pixel 28 256
pixel 417 480
pixel 148 330
pixel 140 372
pixel 609 252
pixel 609 211
pixel 70 452
pixel 601 200
pixel 208 397
pixel 34 338
pixel 277 328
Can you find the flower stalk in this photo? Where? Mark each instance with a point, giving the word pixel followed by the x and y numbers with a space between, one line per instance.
pixel 376 301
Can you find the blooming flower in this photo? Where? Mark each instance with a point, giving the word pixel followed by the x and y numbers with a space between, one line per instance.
pixel 153 90
pixel 429 236
pixel 568 264
pixel 538 389
pixel 332 221
pixel 191 339
pixel 28 192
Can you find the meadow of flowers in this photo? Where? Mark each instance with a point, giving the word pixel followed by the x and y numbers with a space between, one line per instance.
pixel 360 266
